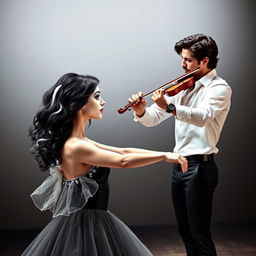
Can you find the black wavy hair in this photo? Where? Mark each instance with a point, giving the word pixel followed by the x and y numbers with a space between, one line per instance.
pixel 201 46
pixel 52 124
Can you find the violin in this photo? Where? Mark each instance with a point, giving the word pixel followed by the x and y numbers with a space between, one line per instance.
pixel 170 88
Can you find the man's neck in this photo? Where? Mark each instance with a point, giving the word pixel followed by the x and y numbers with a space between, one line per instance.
pixel 202 74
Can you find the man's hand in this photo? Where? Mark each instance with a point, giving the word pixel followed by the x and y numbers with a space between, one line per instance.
pixel 159 99
pixel 138 104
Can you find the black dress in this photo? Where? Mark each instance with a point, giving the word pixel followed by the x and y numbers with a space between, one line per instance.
pixel 81 224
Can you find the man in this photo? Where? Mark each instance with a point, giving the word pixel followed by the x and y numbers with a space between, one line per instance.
pixel 200 112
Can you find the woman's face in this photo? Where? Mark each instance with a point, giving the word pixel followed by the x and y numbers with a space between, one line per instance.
pixel 93 109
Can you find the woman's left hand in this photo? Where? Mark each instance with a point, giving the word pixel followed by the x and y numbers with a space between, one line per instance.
pixel 177 159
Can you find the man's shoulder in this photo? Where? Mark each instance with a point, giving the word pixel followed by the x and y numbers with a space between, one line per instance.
pixel 220 87
pixel 219 81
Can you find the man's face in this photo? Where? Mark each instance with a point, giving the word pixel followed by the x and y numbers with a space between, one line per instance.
pixel 189 63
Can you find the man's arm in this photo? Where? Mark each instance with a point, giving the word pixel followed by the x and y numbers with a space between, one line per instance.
pixel 216 101
pixel 149 116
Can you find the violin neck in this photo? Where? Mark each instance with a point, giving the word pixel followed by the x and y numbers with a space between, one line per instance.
pixel 175 81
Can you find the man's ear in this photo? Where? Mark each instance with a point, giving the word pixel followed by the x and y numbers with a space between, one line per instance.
pixel 205 61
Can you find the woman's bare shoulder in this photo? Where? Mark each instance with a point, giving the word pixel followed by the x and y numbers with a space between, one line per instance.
pixel 75 145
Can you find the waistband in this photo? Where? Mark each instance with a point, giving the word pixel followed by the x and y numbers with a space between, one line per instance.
pixel 96 207
pixel 201 158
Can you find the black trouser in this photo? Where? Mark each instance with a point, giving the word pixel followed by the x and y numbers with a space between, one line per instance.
pixel 192 198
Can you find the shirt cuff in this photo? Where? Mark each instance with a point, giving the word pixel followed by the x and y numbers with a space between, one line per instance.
pixel 141 119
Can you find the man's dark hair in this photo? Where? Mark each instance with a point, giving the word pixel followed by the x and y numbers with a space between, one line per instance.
pixel 201 46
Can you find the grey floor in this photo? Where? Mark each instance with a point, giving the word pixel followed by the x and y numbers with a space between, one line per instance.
pixel 236 239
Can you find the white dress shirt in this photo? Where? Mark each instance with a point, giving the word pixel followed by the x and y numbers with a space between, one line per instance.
pixel 200 115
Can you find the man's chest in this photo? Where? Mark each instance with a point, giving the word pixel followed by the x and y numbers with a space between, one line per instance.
pixel 196 97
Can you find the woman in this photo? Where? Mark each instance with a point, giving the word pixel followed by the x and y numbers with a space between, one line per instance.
pixel 77 190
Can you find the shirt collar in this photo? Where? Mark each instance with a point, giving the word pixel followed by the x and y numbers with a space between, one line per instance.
pixel 206 80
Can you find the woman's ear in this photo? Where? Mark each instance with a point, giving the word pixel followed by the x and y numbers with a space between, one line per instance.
pixel 81 111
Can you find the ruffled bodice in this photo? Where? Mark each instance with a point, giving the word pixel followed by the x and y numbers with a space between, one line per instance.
pixel 64 197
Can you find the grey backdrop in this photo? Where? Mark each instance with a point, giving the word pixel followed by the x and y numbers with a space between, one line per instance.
pixel 128 45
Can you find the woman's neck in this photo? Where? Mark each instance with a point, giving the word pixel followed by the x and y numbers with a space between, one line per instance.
pixel 79 128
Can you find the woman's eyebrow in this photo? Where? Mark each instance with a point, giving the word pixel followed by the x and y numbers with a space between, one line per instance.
pixel 96 92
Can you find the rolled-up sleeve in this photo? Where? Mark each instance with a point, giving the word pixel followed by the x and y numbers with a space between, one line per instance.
pixel 216 101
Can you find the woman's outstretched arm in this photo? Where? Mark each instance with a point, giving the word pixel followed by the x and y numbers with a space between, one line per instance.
pixel 121 150
pixel 89 153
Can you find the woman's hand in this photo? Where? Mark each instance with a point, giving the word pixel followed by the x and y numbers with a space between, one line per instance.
pixel 177 159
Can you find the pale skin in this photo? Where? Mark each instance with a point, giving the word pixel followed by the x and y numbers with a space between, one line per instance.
pixel 188 63
pixel 79 153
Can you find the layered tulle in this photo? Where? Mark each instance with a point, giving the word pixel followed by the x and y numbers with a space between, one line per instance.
pixel 88 232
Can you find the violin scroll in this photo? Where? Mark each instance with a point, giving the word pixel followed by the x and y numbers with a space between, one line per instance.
pixel 126 107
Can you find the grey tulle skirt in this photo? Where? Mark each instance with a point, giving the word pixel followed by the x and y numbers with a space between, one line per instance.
pixel 87 232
